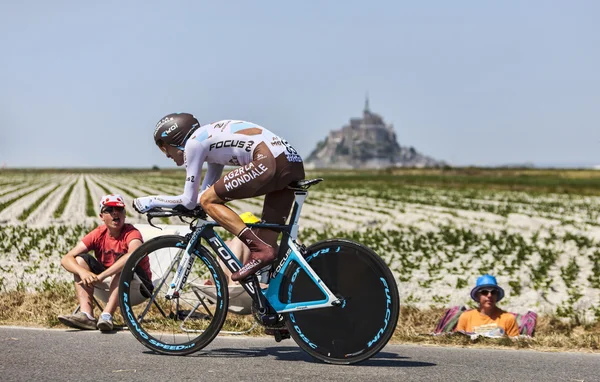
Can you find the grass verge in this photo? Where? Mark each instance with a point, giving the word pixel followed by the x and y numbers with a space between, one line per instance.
pixel 40 309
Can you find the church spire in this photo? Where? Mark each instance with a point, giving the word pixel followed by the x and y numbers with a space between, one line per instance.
pixel 366 111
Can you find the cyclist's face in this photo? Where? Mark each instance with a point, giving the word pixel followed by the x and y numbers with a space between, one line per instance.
pixel 173 153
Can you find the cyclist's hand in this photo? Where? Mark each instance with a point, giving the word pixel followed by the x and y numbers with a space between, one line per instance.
pixel 88 278
pixel 144 204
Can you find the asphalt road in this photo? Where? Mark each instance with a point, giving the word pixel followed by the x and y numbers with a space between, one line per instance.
pixel 69 355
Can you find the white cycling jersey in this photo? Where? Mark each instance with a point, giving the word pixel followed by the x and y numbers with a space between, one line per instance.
pixel 218 144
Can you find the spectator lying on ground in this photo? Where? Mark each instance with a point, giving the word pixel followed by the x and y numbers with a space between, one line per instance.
pixel 488 320
pixel 112 243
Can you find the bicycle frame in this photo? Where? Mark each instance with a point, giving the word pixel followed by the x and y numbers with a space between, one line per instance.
pixel 288 253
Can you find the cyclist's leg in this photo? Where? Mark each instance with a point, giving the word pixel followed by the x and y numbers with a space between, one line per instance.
pixel 237 185
pixel 266 174
pixel 240 250
pixel 261 255
pixel 242 183
pixel 276 208
pixel 279 200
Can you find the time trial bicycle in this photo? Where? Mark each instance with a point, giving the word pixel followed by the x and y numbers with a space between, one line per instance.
pixel 337 298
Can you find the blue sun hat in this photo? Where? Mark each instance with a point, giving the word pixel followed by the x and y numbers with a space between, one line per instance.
pixel 486 282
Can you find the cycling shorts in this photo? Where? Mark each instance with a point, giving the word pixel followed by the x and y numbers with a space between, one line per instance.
pixel 265 175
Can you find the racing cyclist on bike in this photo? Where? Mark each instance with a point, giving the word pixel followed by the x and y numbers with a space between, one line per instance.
pixel 267 165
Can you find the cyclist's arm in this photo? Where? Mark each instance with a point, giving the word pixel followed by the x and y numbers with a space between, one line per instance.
pixel 194 155
pixel 213 173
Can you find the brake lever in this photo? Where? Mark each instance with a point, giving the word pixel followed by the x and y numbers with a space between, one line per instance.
pixel 203 214
pixel 150 222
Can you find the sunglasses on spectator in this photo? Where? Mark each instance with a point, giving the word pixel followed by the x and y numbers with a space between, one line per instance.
pixel 485 292
pixel 109 210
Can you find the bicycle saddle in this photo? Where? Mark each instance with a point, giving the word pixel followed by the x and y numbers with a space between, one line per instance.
pixel 304 183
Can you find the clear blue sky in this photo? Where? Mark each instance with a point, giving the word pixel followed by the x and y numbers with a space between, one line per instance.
pixel 470 82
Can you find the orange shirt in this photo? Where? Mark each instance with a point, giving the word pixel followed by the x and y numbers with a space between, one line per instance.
pixel 473 321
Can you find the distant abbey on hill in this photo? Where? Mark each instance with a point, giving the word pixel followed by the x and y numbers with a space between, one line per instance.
pixel 366 142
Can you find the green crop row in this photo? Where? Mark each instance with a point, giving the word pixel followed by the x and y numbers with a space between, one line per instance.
pixel 64 200
pixel 7 203
pixel 25 214
pixel 21 184
pixel 26 241
pixel 89 202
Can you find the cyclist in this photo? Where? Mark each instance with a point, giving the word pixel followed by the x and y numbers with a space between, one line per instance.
pixel 267 164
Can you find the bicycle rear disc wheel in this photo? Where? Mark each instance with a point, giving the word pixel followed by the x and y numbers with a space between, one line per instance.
pixel 179 325
pixel 367 318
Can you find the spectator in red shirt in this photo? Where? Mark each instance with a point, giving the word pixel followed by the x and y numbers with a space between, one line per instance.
pixel 112 243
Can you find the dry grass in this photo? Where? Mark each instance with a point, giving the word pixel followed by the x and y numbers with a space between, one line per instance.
pixel 36 309
pixel 40 309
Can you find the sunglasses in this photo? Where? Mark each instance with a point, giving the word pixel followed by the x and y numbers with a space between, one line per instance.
pixel 109 210
pixel 485 292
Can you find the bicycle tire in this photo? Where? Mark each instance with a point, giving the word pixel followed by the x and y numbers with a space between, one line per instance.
pixel 161 325
pixel 365 322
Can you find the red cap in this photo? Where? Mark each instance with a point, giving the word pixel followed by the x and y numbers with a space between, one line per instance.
pixel 114 200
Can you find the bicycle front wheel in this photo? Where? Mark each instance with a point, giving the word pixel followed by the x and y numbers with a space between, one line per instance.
pixel 365 321
pixel 176 325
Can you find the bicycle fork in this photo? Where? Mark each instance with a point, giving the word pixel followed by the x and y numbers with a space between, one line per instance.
pixel 183 269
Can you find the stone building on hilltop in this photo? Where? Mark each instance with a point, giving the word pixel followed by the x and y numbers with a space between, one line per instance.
pixel 366 142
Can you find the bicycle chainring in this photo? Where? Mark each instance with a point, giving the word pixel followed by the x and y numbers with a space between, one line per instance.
pixel 258 317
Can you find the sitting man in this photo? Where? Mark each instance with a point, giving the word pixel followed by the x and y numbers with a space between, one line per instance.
pixel 488 319
pixel 112 243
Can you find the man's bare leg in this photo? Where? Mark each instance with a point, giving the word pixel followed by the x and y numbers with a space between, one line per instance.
pixel 84 294
pixel 113 299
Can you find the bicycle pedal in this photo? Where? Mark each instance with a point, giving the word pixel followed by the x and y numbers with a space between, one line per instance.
pixel 279 334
